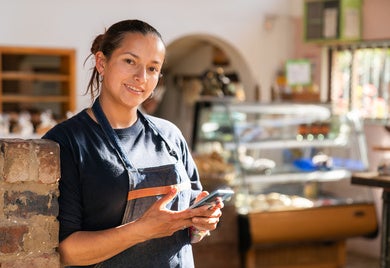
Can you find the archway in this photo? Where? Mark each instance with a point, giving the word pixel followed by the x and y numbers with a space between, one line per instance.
pixel 187 59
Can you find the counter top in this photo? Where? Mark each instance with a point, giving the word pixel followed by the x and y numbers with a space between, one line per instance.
pixel 371 179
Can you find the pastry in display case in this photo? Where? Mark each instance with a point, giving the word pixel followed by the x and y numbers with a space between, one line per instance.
pixel 292 169
pixel 214 170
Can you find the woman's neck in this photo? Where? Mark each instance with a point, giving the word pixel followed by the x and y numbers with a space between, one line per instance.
pixel 118 116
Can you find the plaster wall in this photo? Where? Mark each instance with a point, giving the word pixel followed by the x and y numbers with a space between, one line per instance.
pixel 74 24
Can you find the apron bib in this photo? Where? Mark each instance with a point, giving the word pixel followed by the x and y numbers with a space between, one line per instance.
pixel 146 186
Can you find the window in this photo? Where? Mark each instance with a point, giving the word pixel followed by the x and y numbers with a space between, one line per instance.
pixel 360 80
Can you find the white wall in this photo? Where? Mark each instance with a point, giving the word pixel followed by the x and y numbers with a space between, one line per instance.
pixel 74 24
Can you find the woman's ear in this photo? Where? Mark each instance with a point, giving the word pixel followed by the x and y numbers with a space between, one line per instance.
pixel 100 60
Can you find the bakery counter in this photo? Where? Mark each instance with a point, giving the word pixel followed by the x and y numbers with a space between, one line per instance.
pixel 318 223
pixel 310 237
pixel 292 231
pixel 274 234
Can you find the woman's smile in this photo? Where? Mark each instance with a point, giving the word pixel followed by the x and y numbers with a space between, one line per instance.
pixel 134 89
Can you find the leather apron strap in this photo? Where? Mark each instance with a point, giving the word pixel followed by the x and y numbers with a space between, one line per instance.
pixel 161 190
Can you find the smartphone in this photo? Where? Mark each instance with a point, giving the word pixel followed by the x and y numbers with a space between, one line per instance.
pixel 212 197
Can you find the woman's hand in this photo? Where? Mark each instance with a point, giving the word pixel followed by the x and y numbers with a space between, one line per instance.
pixel 158 221
pixel 207 217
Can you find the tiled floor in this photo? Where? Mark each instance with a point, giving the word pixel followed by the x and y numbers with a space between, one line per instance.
pixel 355 260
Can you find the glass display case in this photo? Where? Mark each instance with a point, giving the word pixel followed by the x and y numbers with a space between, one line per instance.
pixel 290 165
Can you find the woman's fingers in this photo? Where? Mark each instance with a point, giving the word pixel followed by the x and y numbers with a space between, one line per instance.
pixel 167 198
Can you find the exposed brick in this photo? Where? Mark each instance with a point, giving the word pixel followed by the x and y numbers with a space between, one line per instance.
pixel 11 238
pixel 43 234
pixel 47 153
pixel 27 203
pixel 45 260
pixel 29 174
pixel 17 160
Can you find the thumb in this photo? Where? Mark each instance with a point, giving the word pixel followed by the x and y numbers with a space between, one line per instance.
pixel 201 195
pixel 167 198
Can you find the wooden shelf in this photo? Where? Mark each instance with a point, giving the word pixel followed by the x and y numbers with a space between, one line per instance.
pixel 21 98
pixel 36 50
pixel 33 78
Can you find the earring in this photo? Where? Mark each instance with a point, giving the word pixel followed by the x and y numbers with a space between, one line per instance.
pixel 100 78
pixel 151 95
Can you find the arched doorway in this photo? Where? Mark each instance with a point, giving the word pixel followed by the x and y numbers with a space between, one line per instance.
pixel 188 58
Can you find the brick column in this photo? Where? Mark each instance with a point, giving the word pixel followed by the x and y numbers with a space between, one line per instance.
pixel 29 174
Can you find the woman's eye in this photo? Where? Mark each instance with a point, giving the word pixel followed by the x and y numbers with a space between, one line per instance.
pixel 154 69
pixel 129 61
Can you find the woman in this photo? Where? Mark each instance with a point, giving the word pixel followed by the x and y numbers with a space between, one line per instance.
pixel 127 179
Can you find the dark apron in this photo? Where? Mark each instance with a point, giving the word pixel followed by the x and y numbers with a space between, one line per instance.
pixel 172 251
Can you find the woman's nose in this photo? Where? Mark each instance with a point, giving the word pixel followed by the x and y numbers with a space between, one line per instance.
pixel 140 74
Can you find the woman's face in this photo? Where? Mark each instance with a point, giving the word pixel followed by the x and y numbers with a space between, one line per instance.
pixel 133 70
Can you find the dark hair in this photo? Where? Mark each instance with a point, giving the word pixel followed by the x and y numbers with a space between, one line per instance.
pixel 111 40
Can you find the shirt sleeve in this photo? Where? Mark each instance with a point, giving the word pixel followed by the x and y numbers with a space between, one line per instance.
pixel 191 169
pixel 70 203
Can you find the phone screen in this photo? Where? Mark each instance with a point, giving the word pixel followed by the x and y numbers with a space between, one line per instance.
pixel 209 199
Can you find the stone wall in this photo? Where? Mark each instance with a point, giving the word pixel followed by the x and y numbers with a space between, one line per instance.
pixel 29 174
